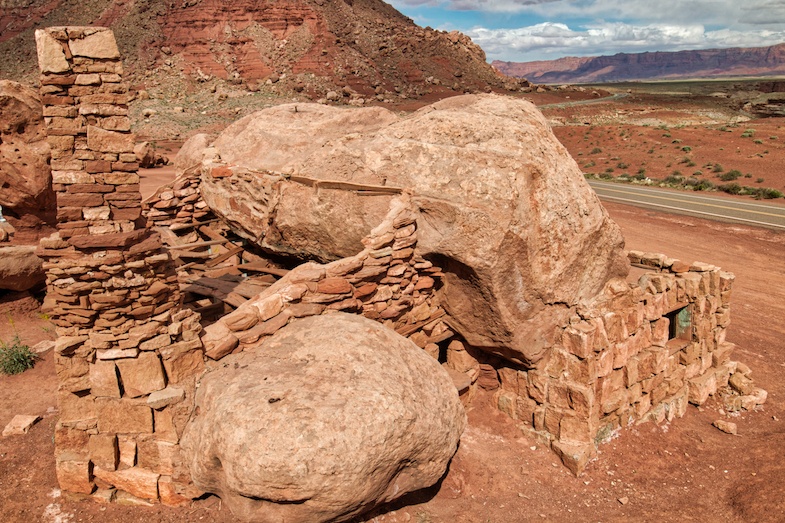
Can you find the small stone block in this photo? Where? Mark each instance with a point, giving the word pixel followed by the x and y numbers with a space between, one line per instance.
pixel 20 424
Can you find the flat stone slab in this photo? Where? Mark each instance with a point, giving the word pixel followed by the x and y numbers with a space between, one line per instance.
pixel 20 425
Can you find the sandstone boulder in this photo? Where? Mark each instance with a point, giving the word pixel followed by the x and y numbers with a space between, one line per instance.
pixel 148 157
pixel 329 417
pixel 190 154
pixel 26 194
pixel 501 205
pixel 20 268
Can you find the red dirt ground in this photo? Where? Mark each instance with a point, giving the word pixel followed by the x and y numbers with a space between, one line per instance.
pixel 671 135
pixel 683 471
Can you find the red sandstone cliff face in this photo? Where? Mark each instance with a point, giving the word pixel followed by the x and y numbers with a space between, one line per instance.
pixel 757 61
pixel 364 45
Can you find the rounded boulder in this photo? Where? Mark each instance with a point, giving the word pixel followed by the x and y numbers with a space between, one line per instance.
pixel 328 418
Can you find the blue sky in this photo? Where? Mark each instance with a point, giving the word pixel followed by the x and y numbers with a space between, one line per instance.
pixel 527 30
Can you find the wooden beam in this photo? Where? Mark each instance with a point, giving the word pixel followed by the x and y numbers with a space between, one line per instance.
pixel 258 267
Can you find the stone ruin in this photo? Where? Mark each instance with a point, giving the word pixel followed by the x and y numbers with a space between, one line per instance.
pixel 465 228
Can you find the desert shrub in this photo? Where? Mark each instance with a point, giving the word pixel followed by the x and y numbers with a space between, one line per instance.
pixel 609 170
pixel 764 193
pixel 772 137
pixel 717 168
pixel 596 150
pixel 642 170
pixel 748 133
pixel 730 175
pixel 622 165
pixel 638 176
pixel 731 188
pixel 759 180
pixel 698 173
pixel 703 185
pixel 686 148
pixel 748 175
pixel 16 357
pixel 606 176
pixel 666 135
pixel 589 165
pixel 674 179
pixel 757 141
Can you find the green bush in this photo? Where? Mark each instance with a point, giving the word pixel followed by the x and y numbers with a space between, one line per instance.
pixel 731 188
pixel 717 168
pixel 674 179
pixel 730 175
pixel 596 150
pixel 764 193
pixel 16 357
pixel 703 185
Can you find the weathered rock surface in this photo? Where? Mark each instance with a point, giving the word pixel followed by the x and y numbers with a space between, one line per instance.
pixel 332 415
pixel 190 154
pixel 20 268
pixel 501 205
pixel 25 178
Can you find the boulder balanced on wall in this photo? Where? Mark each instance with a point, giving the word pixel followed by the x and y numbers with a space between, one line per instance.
pixel 501 205
pixel 326 419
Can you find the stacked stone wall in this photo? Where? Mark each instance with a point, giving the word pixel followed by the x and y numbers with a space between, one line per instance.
pixel 126 355
pixel 620 362
pixel 386 282
pixel 177 203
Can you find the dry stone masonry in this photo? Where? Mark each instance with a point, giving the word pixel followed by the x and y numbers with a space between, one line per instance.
pixel 640 352
pixel 126 355
pixel 386 282
pixel 129 356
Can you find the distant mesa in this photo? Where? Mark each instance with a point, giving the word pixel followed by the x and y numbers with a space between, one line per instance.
pixel 707 63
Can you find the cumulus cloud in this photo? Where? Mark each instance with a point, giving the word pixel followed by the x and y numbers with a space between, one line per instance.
pixel 594 27
pixel 549 40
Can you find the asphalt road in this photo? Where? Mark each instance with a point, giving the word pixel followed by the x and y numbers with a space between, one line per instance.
pixel 753 212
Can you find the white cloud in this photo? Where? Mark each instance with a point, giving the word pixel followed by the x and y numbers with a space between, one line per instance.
pixel 595 27
pixel 550 40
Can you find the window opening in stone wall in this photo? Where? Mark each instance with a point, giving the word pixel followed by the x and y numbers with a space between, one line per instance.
pixel 680 324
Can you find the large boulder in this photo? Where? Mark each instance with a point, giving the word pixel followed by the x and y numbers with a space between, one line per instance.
pixel 328 418
pixel 26 194
pixel 502 206
pixel 189 157
pixel 20 268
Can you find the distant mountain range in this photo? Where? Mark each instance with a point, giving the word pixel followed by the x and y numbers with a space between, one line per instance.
pixel 707 63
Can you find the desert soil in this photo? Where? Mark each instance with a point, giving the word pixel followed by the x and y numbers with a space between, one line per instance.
pixel 681 471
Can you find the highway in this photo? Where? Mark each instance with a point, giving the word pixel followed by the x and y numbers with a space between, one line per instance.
pixel 702 205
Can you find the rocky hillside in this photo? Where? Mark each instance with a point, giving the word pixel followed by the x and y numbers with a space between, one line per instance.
pixel 349 47
pixel 755 61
